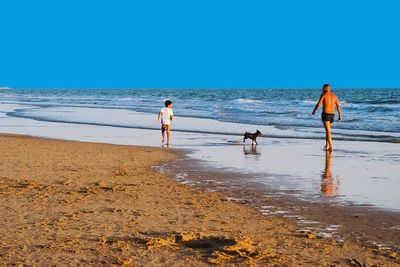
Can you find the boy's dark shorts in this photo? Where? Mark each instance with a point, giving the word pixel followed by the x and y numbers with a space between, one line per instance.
pixel 164 127
pixel 327 117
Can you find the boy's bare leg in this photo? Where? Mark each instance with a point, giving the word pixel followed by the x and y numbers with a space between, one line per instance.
pixel 162 133
pixel 327 126
pixel 168 134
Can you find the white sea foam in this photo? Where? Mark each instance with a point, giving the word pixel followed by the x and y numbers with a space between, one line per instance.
pixel 245 100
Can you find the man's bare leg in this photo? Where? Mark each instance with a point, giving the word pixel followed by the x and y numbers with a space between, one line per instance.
pixel 327 126
pixel 330 135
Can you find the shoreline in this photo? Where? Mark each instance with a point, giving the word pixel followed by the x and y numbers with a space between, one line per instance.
pixel 91 203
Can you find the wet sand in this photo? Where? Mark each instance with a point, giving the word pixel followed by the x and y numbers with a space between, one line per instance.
pixel 75 203
pixel 323 216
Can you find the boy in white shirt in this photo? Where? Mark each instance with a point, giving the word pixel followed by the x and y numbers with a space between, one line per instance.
pixel 166 116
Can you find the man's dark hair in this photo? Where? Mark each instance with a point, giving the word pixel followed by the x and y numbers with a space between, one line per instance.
pixel 325 85
pixel 167 103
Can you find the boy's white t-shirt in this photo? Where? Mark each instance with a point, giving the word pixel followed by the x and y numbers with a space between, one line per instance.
pixel 166 114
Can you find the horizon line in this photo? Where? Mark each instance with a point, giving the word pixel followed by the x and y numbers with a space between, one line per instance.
pixel 185 88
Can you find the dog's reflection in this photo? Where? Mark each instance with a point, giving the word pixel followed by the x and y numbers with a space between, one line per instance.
pixel 251 150
pixel 329 185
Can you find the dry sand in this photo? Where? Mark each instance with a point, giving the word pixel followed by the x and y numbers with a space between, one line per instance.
pixel 74 203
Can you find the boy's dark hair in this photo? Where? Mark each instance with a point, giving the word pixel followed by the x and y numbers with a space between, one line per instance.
pixel 167 103
pixel 325 85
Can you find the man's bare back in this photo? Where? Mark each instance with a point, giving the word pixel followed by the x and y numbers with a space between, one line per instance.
pixel 329 101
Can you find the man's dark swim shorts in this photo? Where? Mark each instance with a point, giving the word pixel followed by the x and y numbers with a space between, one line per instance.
pixel 327 117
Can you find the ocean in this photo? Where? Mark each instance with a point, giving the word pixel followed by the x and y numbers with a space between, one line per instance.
pixel 368 114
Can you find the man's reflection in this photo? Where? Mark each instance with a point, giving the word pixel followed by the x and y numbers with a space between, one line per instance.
pixel 329 187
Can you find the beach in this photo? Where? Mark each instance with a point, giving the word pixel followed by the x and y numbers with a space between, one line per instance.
pixel 77 203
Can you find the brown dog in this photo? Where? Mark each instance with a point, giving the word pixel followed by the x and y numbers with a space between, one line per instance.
pixel 252 136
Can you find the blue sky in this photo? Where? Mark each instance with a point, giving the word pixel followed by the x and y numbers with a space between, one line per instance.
pixel 200 44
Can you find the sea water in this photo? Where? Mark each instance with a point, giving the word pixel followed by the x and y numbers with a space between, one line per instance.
pixel 370 110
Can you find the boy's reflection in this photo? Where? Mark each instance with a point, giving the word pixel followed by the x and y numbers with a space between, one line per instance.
pixel 329 187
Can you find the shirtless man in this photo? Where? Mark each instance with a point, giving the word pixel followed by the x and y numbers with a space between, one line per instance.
pixel 328 100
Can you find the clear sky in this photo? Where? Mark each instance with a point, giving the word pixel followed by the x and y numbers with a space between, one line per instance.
pixel 109 44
